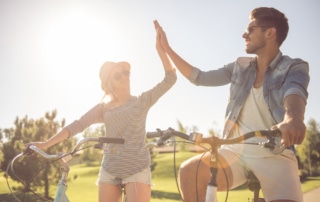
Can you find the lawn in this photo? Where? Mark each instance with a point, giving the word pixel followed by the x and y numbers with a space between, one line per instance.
pixel 82 185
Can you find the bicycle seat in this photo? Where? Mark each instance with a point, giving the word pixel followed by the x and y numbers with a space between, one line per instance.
pixel 253 182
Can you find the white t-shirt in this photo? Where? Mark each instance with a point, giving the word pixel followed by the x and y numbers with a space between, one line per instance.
pixel 255 115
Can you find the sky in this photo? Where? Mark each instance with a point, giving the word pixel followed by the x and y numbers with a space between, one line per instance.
pixel 51 53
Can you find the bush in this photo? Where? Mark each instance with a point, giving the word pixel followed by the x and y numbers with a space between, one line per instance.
pixel 303 174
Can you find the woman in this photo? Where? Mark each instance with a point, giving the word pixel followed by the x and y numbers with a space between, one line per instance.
pixel 124 117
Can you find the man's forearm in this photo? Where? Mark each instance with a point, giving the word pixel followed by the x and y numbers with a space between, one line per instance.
pixel 183 66
pixel 295 107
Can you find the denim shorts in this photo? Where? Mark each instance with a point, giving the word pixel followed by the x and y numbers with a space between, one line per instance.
pixel 143 176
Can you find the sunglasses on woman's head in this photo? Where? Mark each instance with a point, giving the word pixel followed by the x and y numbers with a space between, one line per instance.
pixel 118 75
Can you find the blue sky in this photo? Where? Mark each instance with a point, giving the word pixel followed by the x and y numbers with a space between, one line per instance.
pixel 51 52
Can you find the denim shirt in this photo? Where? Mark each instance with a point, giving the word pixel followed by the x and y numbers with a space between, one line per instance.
pixel 284 76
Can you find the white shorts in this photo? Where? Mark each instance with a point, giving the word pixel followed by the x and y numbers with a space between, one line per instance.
pixel 144 177
pixel 278 174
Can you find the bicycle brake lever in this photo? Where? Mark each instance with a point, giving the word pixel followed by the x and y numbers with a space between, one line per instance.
pixel 162 143
pixel 149 146
pixel 274 144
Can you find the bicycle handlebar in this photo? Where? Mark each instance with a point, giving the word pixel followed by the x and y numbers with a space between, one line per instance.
pixel 31 148
pixel 272 142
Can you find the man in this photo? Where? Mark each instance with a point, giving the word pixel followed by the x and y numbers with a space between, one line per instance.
pixel 267 91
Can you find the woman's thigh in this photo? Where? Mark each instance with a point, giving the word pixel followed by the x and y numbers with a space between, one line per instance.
pixel 109 192
pixel 137 191
pixel 138 186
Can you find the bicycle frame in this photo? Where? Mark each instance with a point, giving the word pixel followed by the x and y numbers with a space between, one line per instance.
pixel 60 195
pixel 272 142
pixel 61 192
pixel 62 185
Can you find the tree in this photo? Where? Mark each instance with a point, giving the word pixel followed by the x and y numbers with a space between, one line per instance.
pixel 309 150
pixel 28 170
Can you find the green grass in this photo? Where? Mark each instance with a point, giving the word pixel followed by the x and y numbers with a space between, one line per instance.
pixel 83 177
pixel 311 183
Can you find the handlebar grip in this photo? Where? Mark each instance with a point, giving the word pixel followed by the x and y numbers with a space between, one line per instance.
pixel 276 132
pixel 111 140
pixel 157 133
pixel 153 134
pixel 269 133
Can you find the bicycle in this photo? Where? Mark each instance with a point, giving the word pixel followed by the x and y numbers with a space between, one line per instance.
pixel 61 195
pixel 272 142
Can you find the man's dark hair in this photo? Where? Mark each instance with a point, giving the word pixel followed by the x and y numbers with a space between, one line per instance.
pixel 271 17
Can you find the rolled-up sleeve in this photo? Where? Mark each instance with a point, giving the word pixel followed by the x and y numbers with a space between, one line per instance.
pixel 194 75
pixel 217 77
pixel 298 80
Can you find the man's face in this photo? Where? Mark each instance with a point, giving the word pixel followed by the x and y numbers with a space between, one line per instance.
pixel 254 38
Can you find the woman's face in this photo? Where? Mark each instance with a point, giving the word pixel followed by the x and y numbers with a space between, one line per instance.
pixel 120 79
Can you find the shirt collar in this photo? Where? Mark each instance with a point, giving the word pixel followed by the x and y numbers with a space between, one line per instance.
pixel 276 61
pixel 273 64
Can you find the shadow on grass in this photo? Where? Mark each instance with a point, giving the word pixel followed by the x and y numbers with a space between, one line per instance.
pixel 32 198
pixel 27 198
pixel 165 195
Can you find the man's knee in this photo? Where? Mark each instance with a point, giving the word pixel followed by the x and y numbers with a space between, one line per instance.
pixel 196 169
pixel 194 175
pixel 186 168
pixel 193 167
